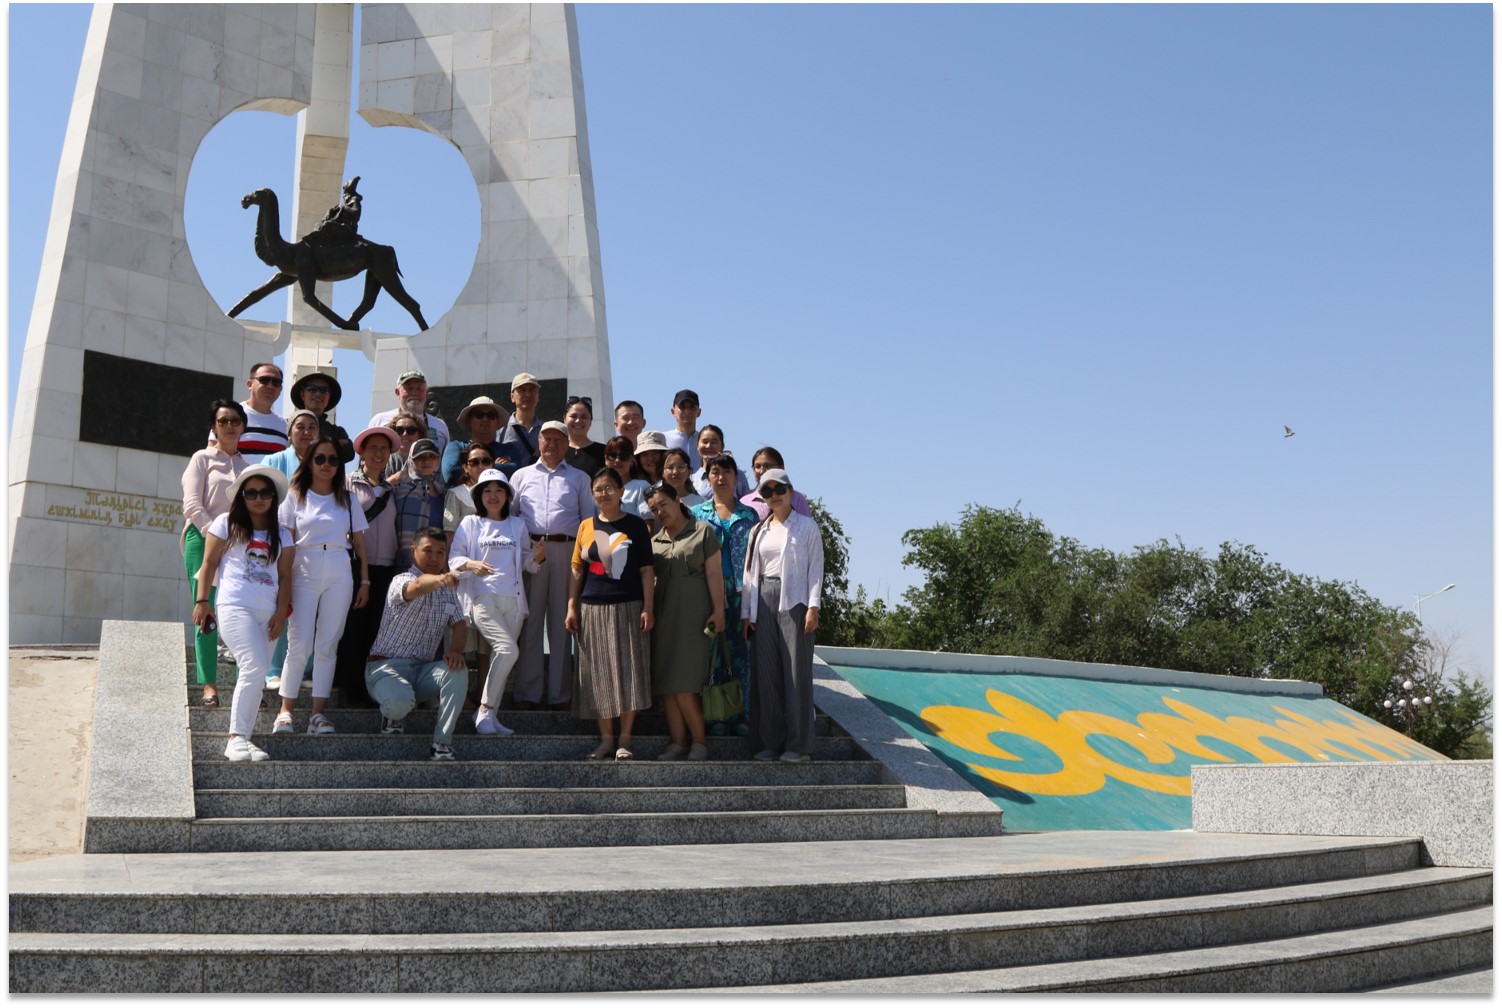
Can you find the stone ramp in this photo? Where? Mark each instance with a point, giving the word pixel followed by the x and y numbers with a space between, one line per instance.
pixel 1095 910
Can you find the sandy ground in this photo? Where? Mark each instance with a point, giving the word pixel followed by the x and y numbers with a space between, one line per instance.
pixel 51 716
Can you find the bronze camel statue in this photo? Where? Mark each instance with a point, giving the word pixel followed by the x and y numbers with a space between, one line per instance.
pixel 303 262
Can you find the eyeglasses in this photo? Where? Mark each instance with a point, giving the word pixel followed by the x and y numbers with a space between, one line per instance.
pixel 323 389
pixel 774 490
pixel 484 415
pixel 230 421
pixel 327 460
pixel 479 461
pixel 258 494
pixel 405 430
pixel 271 380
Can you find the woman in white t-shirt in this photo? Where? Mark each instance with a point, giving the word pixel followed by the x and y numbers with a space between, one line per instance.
pixel 250 555
pixel 324 525
pixel 490 550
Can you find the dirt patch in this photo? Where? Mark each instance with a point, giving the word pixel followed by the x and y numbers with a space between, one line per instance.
pixel 51 717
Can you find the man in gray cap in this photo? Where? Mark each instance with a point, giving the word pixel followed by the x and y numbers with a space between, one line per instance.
pixel 412 394
pixel 552 498
pixel 525 427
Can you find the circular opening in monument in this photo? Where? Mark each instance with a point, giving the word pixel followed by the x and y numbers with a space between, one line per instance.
pixel 418 198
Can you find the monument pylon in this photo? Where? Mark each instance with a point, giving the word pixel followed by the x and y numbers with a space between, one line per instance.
pixel 126 348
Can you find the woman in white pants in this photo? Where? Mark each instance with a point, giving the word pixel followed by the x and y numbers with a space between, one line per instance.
pixel 250 555
pixel 489 552
pixel 324 525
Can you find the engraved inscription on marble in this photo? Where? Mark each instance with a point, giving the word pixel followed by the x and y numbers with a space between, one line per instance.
pixel 116 510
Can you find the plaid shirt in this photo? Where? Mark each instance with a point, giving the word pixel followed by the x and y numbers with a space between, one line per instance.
pixel 413 628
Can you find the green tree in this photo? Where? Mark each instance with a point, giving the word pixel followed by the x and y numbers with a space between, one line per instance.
pixel 999 582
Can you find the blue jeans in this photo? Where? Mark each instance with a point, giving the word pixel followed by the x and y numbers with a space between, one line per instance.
pixel 397 684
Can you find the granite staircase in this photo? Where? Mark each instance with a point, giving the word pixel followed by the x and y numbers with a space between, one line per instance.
pixel 1033 912
pixel 361 790
pixel 349 862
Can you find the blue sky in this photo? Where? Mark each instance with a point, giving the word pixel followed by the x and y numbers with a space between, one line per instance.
pixel 1088 258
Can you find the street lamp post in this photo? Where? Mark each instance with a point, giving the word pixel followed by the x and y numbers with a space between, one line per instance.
pixel 1418 603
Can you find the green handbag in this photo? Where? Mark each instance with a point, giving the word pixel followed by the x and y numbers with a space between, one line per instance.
pixel 722 701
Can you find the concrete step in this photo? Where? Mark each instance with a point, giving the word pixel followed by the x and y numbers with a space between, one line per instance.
pixel 1475 981
pixel 510 832
pixel 352 720
pixel 308 802
pixel 490 773
pixel 343 746
pixel 1285 945
pixel 712 885
pixel 1344 960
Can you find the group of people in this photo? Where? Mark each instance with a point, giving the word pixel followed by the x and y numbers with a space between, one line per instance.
pixel 653 553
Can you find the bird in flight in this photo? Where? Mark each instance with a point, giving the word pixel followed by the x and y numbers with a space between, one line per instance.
pixel 1287 431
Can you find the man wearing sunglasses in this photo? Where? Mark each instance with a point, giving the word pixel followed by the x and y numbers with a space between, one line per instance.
pixel 481 419
pixel 319 393
pixel 265 431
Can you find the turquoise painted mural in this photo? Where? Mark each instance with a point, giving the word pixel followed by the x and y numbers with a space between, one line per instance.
pixel 1058 752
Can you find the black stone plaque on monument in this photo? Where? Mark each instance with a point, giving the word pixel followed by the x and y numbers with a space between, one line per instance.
pixel 152 407
pixel 450 399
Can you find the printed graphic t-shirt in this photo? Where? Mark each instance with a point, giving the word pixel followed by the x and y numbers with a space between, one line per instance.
pixel 612 554
pixel 247 574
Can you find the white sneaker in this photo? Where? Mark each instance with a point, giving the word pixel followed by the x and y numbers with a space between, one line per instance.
pixel 240 750
pixel 698 751
pixel 274 682
pixel 486 724
pixel 795 757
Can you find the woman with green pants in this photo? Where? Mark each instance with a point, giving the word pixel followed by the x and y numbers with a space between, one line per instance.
pixel 208 485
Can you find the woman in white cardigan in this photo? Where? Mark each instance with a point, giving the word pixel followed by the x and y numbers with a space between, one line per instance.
pixel 779 615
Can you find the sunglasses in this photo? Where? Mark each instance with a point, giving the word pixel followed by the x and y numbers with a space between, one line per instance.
pixel 405 430
pixel 327 460
pixel 615 457
pixel 484 415
pixel 586 400
pixel 230 421
pixel 271 380
pixel 324 389
pixel 774 490
pixel 481 462
pixel 251 495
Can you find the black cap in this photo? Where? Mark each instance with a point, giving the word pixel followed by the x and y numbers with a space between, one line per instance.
pixel 686 394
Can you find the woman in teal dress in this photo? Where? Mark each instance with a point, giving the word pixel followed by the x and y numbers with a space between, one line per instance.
pixel 732 522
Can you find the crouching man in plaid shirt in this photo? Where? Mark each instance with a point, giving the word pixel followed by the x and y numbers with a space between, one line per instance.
pixel 420 604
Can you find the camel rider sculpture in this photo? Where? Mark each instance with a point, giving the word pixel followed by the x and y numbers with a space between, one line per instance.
pixel 341 225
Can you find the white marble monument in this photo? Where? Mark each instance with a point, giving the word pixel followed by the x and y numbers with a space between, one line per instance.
pixel 126 348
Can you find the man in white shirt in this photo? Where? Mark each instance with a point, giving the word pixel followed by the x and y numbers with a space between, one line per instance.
pixel 686 435
pixel 265 431
pixel 552 498
pixel 412 394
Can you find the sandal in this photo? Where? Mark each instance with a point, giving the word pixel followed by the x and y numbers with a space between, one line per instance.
pixel 622 754
pixel 211 701
pixel 318 724
pixel 601 751
pixel 282 724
